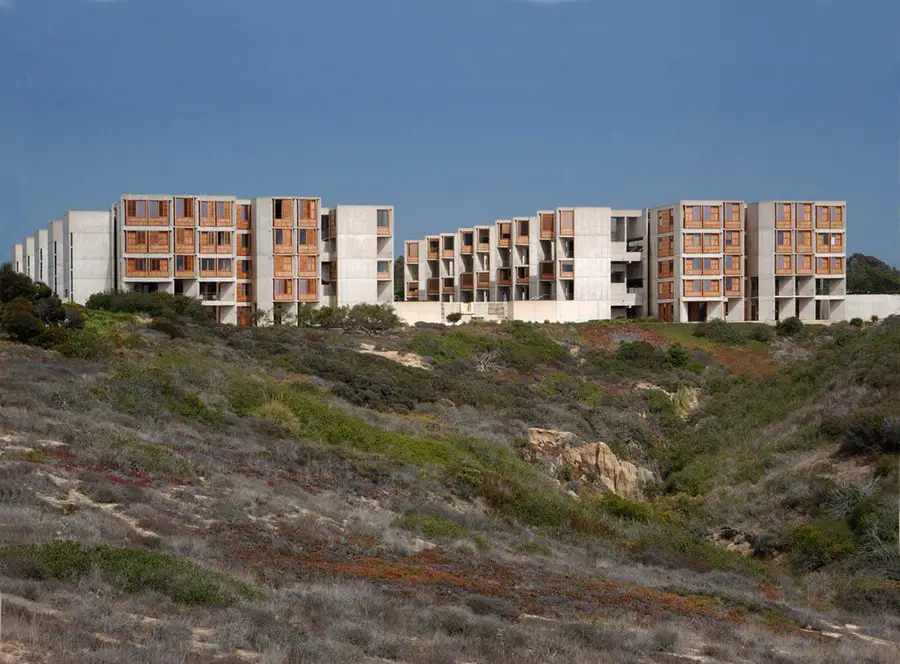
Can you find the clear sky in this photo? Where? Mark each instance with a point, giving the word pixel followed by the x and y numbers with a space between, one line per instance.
pixel 456 111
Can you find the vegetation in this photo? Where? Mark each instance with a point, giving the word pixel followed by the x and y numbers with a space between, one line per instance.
pixel 867 274
pixel 362 317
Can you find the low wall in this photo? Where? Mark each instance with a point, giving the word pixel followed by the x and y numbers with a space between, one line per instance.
pixel 866 306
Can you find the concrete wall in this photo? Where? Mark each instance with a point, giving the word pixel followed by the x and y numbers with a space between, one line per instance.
pixel 55 272
pixel 42 255
pixel 18 257
pixel 88 257
pixel 593 249
pixel 263 268
pixel 358 248
pixel 866 306
pixel 30 262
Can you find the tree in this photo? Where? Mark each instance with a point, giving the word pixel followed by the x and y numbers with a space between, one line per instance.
pixel 14 285
pixel 867 274
pixel 399 279
pixel 20 321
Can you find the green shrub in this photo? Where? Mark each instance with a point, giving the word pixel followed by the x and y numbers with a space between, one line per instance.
pixel 640 353
pixel 678 356
pixel 454 317
pixel 624 508
pixel 15 285
pixel 815 545
pixel 789 327
pixel 763 333
pixel 433 527
pixel 168 327
pixel 719 331
pixel 867 431
pixel 157 305
pixel 130 570
pixel 856 322
pixel 20 321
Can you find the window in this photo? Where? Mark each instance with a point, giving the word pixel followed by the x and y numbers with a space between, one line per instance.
pixel 384 266
pixel 782 236
pixel 245 213
pixel 244 269
pixel 303 236
pixel 184 207
pixel 179 263
pixel 244 290
pixel 567 221
pixel 279 236
pixel 205 209
pixel 282 287
pixel 244 241
pixel 220 209
pixel 835 240
pixel 448 244
pixel 707 285
pixel 223 238
pixel 224 265
pixel 729 262
pixel 484 237
pixel 279 209
pixel 140 208
pixel 208 264
pixel 707 264
pixel 696 285
pixel 384 218
pixel 697 264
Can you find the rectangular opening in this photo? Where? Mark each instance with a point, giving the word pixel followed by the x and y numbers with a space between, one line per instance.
pixel 384 222
pixel 307 241
pixel 665 247
pixel 284 240
pixel 243 219
pixel 384 269
pixel 522 230
pixel 283 266
pixel 783 241
pixel 783 215
pixel 665 290
pixel 548 224
pixel 711 216
pixel 617 229
pixel 804 215
pixel 567 222
pixel 284 289
pixel 664 223
pixel 309 212
pixel 732 264
pixel 665 269
pixel 505 234
pixel 784 264
pixel 244 270
pixel 732 215
pixel 692 216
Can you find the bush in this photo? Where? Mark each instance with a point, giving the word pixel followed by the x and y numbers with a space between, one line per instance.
pixel 14 285
pixel 856 322
pixel 157 305
pixel 131 570
pixel 789 327
pixel 455 317
pixel 637 352
pixel 815 545
pixel 867 431
pixel 721 332
pixel 624 508
pixel 20 321
pixel 433 527
pixel 763 333
pixel 168 327
pixel 678 356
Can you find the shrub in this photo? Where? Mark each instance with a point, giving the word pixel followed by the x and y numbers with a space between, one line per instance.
pixel 637 352
pixel 14 285
pixel 763 333
pixel 455 317
pixel 856 322
pixel 678 356
pixel 20 322
pixel 371 318
pixel 719 331
pixel 433 527
pixel 157 305
pixel 130 570
pixel 624 508
pixel 867 431
pixel 81 344
pixel 50 310
pixel 815 545
pixel 789 327
pixel 168 327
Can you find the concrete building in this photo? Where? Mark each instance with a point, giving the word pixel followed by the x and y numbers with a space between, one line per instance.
pixel 89 256
pixel 797 260
pixel 696 261
pixel 30 263
pixel 55 273
pixel 587 255
pixel 238 256
pixel 41 255
pixel 18 257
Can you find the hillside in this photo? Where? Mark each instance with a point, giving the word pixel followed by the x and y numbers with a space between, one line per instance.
pixel 172 490
pixel 867 274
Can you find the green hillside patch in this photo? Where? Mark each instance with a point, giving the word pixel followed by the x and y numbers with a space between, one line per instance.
pixel 130 570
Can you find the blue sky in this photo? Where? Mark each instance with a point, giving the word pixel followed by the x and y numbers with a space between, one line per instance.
pixel 456 111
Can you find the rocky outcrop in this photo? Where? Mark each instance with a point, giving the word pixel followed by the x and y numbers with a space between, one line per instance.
pixel 685 399
pixel 592 464
pixel 732 539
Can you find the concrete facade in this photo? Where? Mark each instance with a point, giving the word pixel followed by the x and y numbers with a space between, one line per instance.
pixel 55 272
pixel 88 254
pixel 796 261
pixel 867 306
pixel 18 257
pixel 41 255
pixel 359 250
pixel 29 260
pixel 590 255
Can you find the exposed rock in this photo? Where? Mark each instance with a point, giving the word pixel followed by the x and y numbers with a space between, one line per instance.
pixel 731 539
pixel 406 359
pixel 593 464
pixel 685 399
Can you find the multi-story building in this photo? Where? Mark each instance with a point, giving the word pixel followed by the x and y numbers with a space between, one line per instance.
pixel 576 254
pixel 696 261
pixel 55 276
pixel 796 260
pixel 18 258
pixel 238 256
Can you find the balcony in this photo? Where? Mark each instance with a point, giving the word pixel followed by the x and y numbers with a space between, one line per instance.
pixel 483 280
pixel 548 226
pixel 784 265
pixel 185 267
pixel 184 245
pixel 566 269
pixel 412 253
pixel 504 277
pixel 243 217
pixel 151 268
pixel 448 285
pixel 547 270
pixel 522 239
pixel 309 213
pixel 224 214
pixel 412 291
pixel 733 289
pixel 804 264
pixel 224 248
pixel 383 275
pixel 567 223
pixel 484 240
pixel 184 212
pixel 310 247
pixel 467 281
pixel 243 250
pixel 433 251
pixel 466 243
pixel 711 244
pixel 702 288
pixel 447 252
pixel 505 235
pixel 307 290
pixel 433 286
